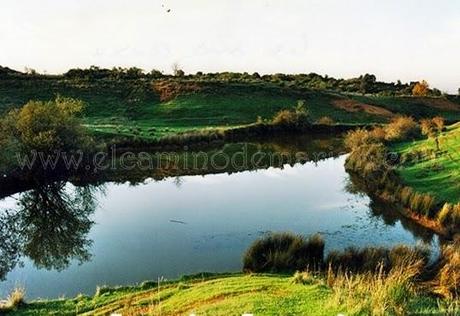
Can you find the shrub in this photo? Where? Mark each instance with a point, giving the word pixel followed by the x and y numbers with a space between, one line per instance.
pixel 421 88
pixel 326 120
pixel 297 117
pixel 370 161
pixel 402 128
pixel 282 252
pixel 359 137
pixel 439 122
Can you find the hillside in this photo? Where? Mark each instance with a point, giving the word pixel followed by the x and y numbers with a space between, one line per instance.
pixel 437 173
pixel 149 108
pixel 233 294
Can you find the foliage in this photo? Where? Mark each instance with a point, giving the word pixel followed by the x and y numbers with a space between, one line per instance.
pixel 296 118
pixel 421 89
pixel 47 126
pixel 402 128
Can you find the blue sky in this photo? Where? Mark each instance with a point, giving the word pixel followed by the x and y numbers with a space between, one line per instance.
pixel 407 40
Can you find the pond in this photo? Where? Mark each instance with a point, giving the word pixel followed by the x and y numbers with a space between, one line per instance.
pixel 129 226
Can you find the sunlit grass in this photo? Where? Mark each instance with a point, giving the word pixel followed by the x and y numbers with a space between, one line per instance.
pixel 439 172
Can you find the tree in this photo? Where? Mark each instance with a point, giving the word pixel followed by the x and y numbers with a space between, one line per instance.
pixel 421 89
pixel 48 127
pixel 433 128
pixel 367 82
pixel 177 71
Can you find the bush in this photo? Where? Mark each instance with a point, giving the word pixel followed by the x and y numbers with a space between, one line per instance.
pixel 402 128
pixel 326 120
pixel 283 252
pixel 297 117
pixel 359 137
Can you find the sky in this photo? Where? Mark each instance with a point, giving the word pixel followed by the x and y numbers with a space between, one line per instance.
pixel 393 39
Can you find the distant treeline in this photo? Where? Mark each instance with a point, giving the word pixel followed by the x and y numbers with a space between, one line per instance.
pixel 365 84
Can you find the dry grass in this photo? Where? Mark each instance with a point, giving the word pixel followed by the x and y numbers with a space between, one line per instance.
pixel 447 280
pixel 374 293
pixel 355 106
pixel 402 128
pixel 15 300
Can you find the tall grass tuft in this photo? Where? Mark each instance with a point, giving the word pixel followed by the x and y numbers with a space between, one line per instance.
pixel 15 300
pixel 447 280
pixel 374 293
pixel 284 252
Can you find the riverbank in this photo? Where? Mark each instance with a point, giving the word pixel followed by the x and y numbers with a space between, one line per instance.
pixel 431 171
pixel 208 294
pixel 390 160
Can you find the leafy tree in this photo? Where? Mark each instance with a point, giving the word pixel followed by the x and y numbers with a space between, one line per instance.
pixel 48 127
pixel 367 82
pixel 433 128
pixel 421 89
pixel 177 71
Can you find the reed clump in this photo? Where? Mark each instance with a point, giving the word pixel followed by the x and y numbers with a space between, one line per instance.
pixel 15 300
pixel 377 292
pixel 283 252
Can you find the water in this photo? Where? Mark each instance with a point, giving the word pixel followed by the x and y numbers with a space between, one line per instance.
pixel 119 233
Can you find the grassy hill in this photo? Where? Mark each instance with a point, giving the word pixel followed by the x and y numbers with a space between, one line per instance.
pixel 233 294
pixel 437 173
pixel 139 107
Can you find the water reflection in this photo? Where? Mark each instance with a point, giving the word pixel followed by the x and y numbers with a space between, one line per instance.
pixel 387 212
pixel 193 220
pixel 49 225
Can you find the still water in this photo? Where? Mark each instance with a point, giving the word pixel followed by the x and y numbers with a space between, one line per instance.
pixel 120 233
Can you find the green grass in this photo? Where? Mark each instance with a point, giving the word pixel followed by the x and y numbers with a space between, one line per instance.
pixel 226 295
pixel 438 173
pixel 233 294
pixel 133 107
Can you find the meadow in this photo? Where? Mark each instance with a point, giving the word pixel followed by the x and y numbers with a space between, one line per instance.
pixel 152 109
pixel 436 172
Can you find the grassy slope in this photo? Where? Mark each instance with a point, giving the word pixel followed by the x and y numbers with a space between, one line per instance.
pixel 438 174
pixel 234 294
pixel 133 108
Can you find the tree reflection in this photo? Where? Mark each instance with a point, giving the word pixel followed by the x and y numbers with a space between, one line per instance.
pixel 50 226
pixel 10 243
pixel 386 211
